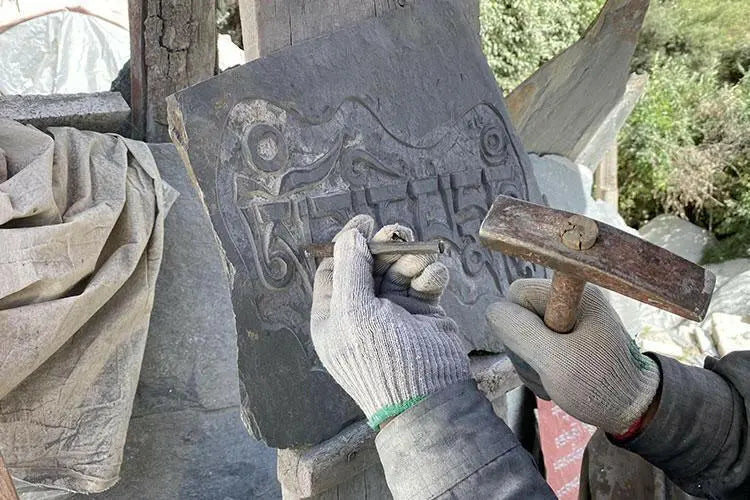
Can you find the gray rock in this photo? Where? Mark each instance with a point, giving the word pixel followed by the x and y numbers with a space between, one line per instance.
pixel 669 334
pixel 186 439
pixel 678 236
pixel 560 108
pixel 101 111
pixel 398 117
pixel 730 332
pixel 567 186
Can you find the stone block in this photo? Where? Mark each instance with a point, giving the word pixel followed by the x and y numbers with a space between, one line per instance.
pixel 495 377
pixel 186 438
pixel 678 236
pixel 101 111
pixel 730 332
pixel 398 117
pixel 566 185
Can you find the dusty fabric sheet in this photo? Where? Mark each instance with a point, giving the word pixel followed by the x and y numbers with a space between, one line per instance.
pixel 81 235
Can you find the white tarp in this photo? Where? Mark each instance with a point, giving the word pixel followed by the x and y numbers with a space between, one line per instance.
pixel 81 238
pixel 63 52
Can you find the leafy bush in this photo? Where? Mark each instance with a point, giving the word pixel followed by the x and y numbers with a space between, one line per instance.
pixel 734 65
pixel 686 148
pixel 518 36
pixel 686 151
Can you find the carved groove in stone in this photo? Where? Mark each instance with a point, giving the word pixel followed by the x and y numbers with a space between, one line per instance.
pixel 298 193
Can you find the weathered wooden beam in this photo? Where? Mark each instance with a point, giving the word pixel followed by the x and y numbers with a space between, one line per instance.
pixel 271 25
pixel 172 46
pixel 605 178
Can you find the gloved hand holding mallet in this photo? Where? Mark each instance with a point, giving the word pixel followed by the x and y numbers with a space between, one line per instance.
pixel 583 358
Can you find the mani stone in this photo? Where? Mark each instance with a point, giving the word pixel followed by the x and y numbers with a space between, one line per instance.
pixel 398 117
pixel 186 438
pixel 561 107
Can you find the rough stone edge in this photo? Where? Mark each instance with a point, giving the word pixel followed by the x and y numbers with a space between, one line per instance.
pixel 306 472
pixel 100 112
pixel 180 139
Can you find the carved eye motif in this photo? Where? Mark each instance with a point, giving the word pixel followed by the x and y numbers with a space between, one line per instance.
pixel 264 147
pixel 493 146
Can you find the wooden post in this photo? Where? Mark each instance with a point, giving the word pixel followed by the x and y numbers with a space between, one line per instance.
pixel 172 46
pixel 7 489
pixel 605 178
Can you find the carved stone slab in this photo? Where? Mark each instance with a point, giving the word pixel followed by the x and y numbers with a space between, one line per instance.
pixel 398 117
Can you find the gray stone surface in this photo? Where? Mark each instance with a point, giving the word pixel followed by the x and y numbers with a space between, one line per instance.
pixel 562 105
pixel 101 112
pixel 495 377
pixel 730 332
pixel 399 117
pixel 370 484
pixel 678 236
pixel 186 439
pixel 567 186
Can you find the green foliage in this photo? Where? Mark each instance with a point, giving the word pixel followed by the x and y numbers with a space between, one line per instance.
pixel 697 29
pixel 520 35
pixel 733 247
pixel 686 148
pixel 734 64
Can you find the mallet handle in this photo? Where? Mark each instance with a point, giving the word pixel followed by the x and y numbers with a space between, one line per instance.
pixel 7 489
pixel 566 293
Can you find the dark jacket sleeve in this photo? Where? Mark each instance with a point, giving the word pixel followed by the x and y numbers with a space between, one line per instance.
pixel 699 433
pixel 452 445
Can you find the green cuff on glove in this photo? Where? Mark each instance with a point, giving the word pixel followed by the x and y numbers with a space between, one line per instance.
pixel 390 411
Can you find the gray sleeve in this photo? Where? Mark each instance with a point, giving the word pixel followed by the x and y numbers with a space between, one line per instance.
pixel 452 445
pixel 699 434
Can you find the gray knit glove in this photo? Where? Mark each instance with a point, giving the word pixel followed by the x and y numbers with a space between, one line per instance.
pixel 377 324
pixel 596 373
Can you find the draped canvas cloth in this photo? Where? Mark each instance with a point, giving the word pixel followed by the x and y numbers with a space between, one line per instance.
pixel 81 238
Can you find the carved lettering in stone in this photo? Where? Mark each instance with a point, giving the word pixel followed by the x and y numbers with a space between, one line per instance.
pixel 288 192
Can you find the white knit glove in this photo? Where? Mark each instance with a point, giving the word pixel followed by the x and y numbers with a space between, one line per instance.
pixel 377 324
pixel 595 373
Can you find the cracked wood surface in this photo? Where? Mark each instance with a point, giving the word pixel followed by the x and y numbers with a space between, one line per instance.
pixel 173 46
pixel 271 25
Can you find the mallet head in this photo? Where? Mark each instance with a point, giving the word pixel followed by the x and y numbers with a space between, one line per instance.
pixel 613 259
